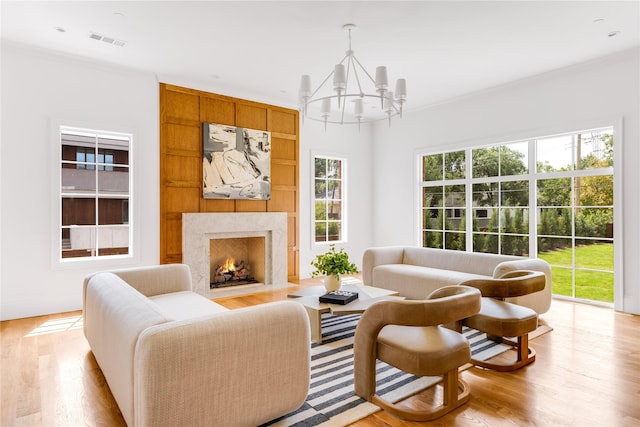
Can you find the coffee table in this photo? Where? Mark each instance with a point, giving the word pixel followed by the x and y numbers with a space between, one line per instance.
pixel 367 296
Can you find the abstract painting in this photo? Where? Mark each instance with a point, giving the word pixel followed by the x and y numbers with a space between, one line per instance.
pixel 236 163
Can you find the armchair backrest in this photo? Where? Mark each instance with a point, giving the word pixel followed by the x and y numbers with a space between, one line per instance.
pixel 444 305
pixel 447 304
pixel 511 284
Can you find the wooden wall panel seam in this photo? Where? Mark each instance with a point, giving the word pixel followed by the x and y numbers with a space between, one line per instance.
pixel 182 122
pixel 181 153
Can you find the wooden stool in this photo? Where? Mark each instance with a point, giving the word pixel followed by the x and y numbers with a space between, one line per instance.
pixel 501 319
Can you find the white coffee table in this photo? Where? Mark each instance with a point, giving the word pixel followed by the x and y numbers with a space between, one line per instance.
pixel 367 296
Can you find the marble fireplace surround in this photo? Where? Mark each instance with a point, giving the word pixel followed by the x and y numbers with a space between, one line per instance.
pixel 199 228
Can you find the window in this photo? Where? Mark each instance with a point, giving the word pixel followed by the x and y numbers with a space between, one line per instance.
pixel 500 198
pixel 94 194
pixel 443 200
pixel 574 197
pixel 329 199
pixel 551 196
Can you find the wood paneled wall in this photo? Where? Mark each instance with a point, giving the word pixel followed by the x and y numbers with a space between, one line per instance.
pixel 182 112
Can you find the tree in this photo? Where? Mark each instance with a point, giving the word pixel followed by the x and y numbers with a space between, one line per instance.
pixel 450 165
pixel 432 167
pixel 554 192
pixel 454 165
pixel 497 161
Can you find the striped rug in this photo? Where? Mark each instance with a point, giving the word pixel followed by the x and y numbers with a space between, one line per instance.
pixel 332 402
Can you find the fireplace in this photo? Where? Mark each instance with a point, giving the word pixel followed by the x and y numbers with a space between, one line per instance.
pixel 203 234
pixel 236 261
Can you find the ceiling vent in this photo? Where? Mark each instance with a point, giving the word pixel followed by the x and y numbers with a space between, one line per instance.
pixel 107 39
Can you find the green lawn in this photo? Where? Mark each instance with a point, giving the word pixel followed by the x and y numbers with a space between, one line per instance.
pixel 589 285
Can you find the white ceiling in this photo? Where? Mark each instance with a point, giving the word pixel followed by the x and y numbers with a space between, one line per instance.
pixel 258 50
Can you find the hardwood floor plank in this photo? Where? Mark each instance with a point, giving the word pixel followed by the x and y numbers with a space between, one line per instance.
pixel 587 372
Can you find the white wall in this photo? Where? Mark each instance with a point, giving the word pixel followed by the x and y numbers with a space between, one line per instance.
pixel 38 89
pixel 356 147
pixel 608 88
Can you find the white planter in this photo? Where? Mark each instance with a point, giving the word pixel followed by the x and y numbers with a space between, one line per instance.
pixel 332 283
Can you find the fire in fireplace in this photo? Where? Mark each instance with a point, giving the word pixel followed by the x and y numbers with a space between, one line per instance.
pixel 231 273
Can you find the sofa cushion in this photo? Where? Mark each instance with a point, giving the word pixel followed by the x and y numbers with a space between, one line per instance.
pixel 186 305
pixel 417 282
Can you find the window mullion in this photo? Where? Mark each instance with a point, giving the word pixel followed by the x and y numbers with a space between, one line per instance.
pixel 97 199
pixel 469 200
pixel 533 201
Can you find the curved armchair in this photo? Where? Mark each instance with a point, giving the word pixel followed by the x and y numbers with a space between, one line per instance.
pixel 500 319
pixel 409 335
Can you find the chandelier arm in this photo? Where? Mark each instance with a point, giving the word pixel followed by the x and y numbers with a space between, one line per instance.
pixel 345 95
pixel 320 87
pixel 364 69
pixel 355 72
pixel 346 84
pixel 325 80
pixel 396 108
pixel 350 122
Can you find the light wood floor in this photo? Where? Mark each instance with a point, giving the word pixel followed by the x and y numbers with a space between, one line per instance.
pixel 587 373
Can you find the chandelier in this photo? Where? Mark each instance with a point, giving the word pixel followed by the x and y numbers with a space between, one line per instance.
pixel 344 103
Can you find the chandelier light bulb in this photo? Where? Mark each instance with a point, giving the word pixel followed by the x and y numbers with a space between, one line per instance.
pixel 388 102
pixel 401 89
pixel 358 108
pixel 305 86
pixel 382 82
pixel 388 105
pixel 304 94
pixel 325 111
pixel 339 80
pixel 401 92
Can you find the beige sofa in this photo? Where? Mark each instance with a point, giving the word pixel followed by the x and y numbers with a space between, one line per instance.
pixel 174 358
pixel 415 272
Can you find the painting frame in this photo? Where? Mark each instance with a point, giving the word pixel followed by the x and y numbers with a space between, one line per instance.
pixel 236 162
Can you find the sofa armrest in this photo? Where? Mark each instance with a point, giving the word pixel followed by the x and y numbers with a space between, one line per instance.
pixel 373 257
pixel 243 367
pixel 538 301
pixel 114 316
pixel 156 279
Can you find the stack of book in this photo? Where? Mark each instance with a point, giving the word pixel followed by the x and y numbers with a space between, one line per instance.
pixel 339 297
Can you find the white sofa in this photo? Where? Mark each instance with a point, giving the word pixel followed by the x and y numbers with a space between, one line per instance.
pixel 174 358
pixel 415 272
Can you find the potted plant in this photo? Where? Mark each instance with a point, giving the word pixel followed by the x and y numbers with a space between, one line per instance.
pixel 332 264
